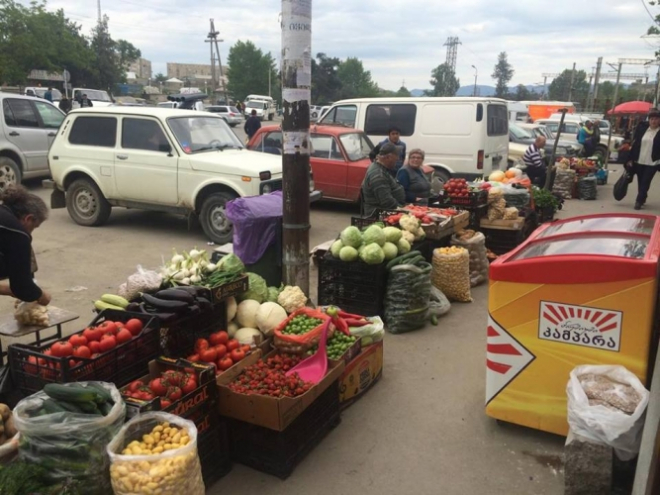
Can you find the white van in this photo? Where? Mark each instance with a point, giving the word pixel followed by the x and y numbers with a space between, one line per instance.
pixel 263 105
pixel 462 137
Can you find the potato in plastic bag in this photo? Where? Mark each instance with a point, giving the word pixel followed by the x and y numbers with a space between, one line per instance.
pixel 451 273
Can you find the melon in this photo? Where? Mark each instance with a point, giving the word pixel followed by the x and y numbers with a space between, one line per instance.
pixel 497 176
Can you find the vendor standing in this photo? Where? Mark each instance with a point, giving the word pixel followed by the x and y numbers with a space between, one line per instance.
pixel 20 213
pixel 380 190
pixel 411 176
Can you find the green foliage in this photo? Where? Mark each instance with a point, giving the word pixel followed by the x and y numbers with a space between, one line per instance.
pixel 355 81
pixel 326 84
pixel 523 94
pixel 444 82
pixel 160 77
pixel 560 88
pixel 502 74
pixel 403 92
pixel 247 72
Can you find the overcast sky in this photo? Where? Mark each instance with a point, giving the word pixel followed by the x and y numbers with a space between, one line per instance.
pixel 396 40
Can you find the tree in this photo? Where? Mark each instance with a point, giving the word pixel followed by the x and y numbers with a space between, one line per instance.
pixel 108 68
pixel 654 29
pixel 444 82
pixel 403 92
pixel 355 81
pixel 522 93
pixel 127 53
pixel 160 77
pixel 502 74
pixel 247 71
pixel 560 88
pixel 325 82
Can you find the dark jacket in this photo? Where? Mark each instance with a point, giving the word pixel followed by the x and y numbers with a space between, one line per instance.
pixel 401 148
pixel 641 129
pixel 65 105
pixel 85 103
pixel 15 257
pixel 414 183
pixel 252 125
pixel 380 190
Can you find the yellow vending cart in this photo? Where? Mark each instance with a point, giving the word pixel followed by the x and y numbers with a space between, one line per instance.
pixel 578 291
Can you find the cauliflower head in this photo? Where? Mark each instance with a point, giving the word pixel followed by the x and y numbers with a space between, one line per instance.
pixel 292 298
pixel 408 236
pixel 409 223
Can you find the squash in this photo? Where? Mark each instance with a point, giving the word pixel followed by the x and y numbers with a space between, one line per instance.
pixel 497 176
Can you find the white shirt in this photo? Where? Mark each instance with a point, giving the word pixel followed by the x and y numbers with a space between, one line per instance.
pixel 646 149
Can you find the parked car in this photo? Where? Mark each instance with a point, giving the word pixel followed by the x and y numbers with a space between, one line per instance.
pixel 339 159
pixel 167 104
pixel 170 160
pixel 520 136
pixel 98 97
pixel 27 130
pixel 462 137
pixel 263 105
pixel 40 92
pixel 571 128
pixel 229 114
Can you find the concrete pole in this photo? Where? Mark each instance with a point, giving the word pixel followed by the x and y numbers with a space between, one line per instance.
pixel 570 89
pixel 551 166
pixel 599 66
pixel 616 96
pixel 296 93
pixel 657 88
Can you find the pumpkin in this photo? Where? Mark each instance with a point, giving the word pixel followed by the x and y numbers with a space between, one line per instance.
pixel 497 176
pixel 510 174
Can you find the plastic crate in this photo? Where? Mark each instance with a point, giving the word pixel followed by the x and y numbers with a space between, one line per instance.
pixel 213 451
pixel 178 338
pixel 476 214
pixel 121 365
pixel 353 286
pixel 279 452
pixel 378 216
pixel 502 241
pixel 472 200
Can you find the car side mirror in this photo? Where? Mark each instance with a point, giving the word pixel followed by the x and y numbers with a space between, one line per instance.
pixel 165 148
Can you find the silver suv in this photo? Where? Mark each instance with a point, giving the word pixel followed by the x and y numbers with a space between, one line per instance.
pixel 230 114
pixel 27 130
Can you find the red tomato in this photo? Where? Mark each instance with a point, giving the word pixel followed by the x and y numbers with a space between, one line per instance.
pixel 32 367
pixel 233 344
pixel 193 357
pixel 174 393
pixel 108 342
pixel 135 385
pixel 190 385
pixel 237 355
pixel 165 403
pixel 92 334
pixel 208 355
pixel 225 363
pixel 95 347
pixel 76 340
pixel 134 326
pixel 124 335
pixel 220 337
pixel 158 386
pixel 61 349
pixel 221 350
pixel 246 348
pixel 108 327
pixel 201 345
pixel 82 351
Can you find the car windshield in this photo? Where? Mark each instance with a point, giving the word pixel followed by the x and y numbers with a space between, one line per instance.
pixel 519 132
pixel 357 145
pixel 41 93
pixel 234 109
pixel 200 134
pixel 96 95
pixel 255 104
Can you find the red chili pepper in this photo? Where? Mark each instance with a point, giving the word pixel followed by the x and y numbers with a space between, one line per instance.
pixel 341 325
pixel 350 316
pixel 357 323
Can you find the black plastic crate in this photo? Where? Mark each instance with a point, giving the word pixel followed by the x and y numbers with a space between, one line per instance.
pixel 502 241
pixel 353 286
pixel 177 339
pixel 213 450
pixel 472 200
pixel 476 214
pixel 31 369
pixel 279 452
pixel 378 216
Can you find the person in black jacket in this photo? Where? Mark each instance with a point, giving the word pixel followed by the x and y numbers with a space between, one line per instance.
pixel 20 213
pixel 252 124
pixel 645 155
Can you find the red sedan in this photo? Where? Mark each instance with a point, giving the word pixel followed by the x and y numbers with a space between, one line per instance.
pixel 340 157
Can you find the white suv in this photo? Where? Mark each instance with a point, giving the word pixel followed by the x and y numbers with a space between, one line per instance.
pixel 171 160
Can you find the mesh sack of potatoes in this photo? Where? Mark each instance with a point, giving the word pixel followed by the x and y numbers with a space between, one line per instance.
pixel 451 273
pixel 496 209
pixel 475 243
pixel 563 184
pixel 156 453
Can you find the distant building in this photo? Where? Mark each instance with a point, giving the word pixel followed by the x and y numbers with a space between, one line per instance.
pixel 194 74
pixel 142 68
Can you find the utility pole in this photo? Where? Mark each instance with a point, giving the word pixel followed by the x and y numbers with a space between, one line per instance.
pixel 209 39
pixel 590 93
pixel 599 66
pixel 296 93
pixel 217 49
pixel 551 166
pixel 570 89
pixel 614 103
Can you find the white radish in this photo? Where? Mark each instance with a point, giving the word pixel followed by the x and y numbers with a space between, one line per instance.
pixel 185 281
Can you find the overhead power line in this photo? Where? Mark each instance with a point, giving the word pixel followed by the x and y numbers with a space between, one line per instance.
pixel 646 7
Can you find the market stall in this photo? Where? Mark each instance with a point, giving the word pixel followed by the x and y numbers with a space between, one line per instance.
pixel 578 291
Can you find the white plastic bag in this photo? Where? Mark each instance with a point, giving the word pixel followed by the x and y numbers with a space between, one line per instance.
pixel 141 281
pixel 175 471
pixel 371 333
pixel 603 424
pixel 438 303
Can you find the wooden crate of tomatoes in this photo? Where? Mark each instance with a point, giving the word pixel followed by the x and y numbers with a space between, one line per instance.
pixel 459 193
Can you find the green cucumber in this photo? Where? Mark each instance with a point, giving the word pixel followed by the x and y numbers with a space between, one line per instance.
pixel 103 393
pixel 52 407
pixel 105 408
pixel 403 258
pixel 70 392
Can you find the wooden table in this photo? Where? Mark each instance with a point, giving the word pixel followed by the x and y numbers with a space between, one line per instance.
pixel 9 327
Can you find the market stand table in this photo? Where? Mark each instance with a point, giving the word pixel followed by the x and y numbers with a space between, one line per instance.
pixel 9 327
pixel 578 291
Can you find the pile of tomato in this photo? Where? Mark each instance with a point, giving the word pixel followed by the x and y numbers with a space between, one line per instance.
pixel 88 344
pixel 220 350
pixel 269 378
pixel 170 386
pixel 457 188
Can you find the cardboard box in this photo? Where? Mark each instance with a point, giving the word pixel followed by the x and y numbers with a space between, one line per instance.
pixel 219 294
pixel 269 412
pixel 187 406
pixel 361 374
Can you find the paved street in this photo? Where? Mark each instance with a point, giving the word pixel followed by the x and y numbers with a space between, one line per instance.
pixel 421 430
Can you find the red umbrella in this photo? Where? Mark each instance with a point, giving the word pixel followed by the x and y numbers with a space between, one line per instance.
pixel 639 107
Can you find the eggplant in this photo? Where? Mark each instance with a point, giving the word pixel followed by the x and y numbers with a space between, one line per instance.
pixel 176 295
pixel 164 305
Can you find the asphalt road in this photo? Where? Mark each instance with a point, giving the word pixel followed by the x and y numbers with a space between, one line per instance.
pixel 421 430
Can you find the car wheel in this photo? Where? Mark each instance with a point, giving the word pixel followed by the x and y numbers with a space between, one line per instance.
pixel 601 152
pixel 213 217
pixel 10 173
pixel 86 204
pixel 442 175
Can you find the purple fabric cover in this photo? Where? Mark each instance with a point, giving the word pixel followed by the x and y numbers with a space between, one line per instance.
pixel 255 220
